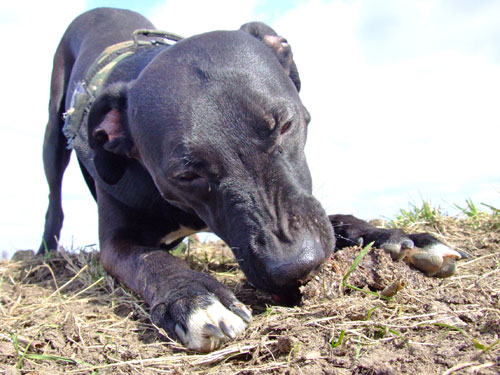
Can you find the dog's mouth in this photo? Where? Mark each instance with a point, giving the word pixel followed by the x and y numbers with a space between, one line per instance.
pixel 290 298
pixel 292 295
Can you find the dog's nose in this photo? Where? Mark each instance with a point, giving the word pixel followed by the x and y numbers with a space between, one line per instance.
pixel 293 268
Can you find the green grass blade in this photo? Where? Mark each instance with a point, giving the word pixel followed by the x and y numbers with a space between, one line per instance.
pixel 494 209
pixel 369 292
pixel 45 357
pixel 339 341
pixel 369 314
pixel 451 328
pixel 358 348
pixel 478 345
pixel 492 345
pixel 356 262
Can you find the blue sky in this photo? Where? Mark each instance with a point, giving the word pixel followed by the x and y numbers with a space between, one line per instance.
pixel 267 10
pixel 403 95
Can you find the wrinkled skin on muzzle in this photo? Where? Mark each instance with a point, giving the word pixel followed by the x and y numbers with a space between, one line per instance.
pixel 231 151
pixel 282 237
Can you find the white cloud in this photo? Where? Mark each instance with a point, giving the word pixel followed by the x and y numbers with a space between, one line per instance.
pixel 402 95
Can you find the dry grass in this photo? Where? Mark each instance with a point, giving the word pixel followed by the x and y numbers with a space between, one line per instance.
pixel 64 314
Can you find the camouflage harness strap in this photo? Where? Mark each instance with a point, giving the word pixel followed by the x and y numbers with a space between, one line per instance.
pixel 87 90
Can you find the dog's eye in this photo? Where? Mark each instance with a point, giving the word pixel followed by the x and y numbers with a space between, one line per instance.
pixel 285 127
pixel 187 176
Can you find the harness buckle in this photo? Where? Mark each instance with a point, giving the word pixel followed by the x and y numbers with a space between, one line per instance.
pixel 154 33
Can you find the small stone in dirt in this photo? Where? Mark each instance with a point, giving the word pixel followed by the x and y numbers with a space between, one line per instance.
pixel 286 343
pixel 392 289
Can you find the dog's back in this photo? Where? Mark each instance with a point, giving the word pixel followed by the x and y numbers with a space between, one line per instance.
pixel 89 34
pixel 86 37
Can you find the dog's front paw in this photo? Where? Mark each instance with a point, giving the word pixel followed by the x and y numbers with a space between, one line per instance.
pixel 208 327
pixel 397 248
pixel 394 241
pixel 204 323
pixel 433 257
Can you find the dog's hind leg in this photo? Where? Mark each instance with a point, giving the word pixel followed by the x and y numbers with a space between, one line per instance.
pixel 55 154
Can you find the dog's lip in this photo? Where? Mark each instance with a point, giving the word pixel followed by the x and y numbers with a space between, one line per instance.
pixel 278 298
pixel 304 280
pixel 290 298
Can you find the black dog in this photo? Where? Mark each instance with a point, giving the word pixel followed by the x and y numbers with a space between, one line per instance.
pixel 172 139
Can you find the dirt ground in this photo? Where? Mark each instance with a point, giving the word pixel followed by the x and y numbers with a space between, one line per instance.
pixel 64 314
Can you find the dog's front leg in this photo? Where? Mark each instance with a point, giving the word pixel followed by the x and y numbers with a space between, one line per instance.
pixel 422 250
pixel 192 307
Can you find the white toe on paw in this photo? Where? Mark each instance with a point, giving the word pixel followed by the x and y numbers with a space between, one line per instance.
pixel 444 251
pixel 436 260
pixel 210 326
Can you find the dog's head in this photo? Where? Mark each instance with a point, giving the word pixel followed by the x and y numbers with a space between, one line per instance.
pixel 218 123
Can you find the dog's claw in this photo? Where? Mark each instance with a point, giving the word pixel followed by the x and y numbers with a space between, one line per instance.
pixel 181 334
pixel 240 310
pixel 215 331
pixel 209 326
pixel 463 254
pixel 407 244
pixel 228 331
pixel 398 250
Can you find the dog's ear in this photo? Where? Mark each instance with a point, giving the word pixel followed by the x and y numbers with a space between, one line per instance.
pixel 280 46
pixel 108 133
